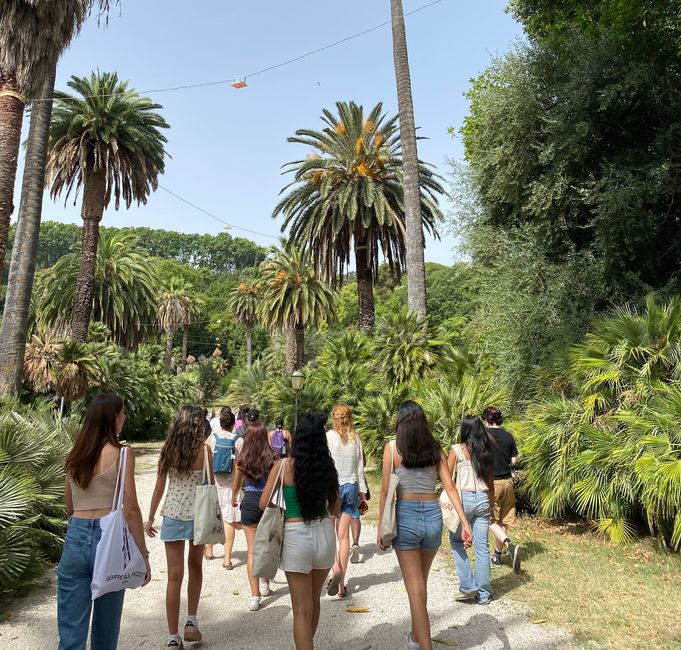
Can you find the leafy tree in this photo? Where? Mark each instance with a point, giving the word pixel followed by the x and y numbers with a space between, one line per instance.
pixel 124 295
pixel 243 301
pixel 293 298
pixel 348 195
pixel 109 142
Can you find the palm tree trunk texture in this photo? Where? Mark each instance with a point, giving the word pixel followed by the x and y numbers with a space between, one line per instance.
pixel 91 212
pixel 290 350
pixel 365 286
pixel 170 335
pixel 25 251
pixel 300 347
pixel 249 344
pixel 185 346
pixel 11 119
pixel 416 273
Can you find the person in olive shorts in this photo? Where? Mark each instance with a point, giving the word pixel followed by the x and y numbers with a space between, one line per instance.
pixel 503 513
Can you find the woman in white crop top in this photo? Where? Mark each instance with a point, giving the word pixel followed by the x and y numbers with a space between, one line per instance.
pixel 181 466
pixel 473 463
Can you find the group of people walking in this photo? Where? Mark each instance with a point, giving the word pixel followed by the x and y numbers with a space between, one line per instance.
pixel 318 477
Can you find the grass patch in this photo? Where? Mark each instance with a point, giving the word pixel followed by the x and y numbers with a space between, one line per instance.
pixel 608 596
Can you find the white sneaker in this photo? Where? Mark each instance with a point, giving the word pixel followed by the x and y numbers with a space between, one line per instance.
pixel 265 587
pixel 354 554
pixel 411 644
pixel 254 603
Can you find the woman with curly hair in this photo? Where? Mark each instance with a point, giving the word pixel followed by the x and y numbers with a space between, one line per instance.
pixel 253 464
pixel 181 465
pixel 346 450
pixel 310 489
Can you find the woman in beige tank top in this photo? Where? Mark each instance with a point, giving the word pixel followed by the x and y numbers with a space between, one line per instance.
pixel 91 472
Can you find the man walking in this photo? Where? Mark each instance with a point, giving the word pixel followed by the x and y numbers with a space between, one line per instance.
pixel 503 512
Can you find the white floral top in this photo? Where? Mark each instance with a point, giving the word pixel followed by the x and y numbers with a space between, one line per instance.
pixel 179 502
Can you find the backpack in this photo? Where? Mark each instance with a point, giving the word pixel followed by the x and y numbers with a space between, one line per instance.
pixel 223 456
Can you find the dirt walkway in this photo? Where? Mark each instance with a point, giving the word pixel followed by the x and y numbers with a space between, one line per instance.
pixel 226 622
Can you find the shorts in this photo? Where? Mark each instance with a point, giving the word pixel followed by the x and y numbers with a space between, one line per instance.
pixel 308 546
pixel 419 525
pixel 230 513
pixel 349 498
pixel 503 512
pixel 176 530
pixel 250 510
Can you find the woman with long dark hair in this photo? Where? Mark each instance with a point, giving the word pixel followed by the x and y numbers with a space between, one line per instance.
pixel 310 489
pixel 474 463
pixel 416 457
pixel 181 466
pixel 252 468
pixel 92 468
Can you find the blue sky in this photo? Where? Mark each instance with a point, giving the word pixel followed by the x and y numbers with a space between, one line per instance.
pixel 227 145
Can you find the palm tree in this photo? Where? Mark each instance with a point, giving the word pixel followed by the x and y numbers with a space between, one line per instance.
pixel 243 301
pixel 416 270
pixel 348 195
pixel 293 298
pixel 124 292
pixel 173 312
pixel 107 141
pixel 193 306
pixel 41 363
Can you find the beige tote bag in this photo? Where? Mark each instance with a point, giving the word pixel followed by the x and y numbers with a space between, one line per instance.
pixel 450 517
pixel 269 536
pixel 208 526
pixel 388 521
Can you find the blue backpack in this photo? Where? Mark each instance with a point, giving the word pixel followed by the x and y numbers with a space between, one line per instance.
pixel 223 456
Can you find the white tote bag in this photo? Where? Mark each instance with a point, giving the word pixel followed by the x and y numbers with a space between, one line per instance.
pixel 118 562
pixel 389 519
pixel 208 526
pixel 269 535
pixel 450 517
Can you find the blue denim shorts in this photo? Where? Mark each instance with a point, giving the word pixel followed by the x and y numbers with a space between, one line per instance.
pixel 419 525
pixel 349 497
pixel 176 530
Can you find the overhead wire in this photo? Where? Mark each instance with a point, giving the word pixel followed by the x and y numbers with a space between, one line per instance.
pixel 270 67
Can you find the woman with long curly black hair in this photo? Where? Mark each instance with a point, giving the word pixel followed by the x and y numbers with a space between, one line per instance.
pixel 310 489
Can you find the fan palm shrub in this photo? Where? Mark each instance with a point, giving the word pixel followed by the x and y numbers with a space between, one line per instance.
pixel 293 298
pixel 346 381
pixel 32 513
pixel 107 140
pixel 347 196
pixel 351 346
pixel 124 297
pixel 375 418
pixel 249 385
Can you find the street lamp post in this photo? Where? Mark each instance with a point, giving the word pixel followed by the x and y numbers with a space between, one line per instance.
pixel 297 381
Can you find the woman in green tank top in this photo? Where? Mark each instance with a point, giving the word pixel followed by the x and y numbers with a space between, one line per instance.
pixel 310 489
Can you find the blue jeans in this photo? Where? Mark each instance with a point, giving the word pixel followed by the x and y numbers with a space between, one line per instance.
pixel 419 525
pixel 74 596
pixel 349 498
pixel 477 509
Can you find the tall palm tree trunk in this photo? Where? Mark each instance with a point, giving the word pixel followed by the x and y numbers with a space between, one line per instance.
pixel 170 335
pixel 91 212
pixel 300 346
pixel 11 118
pixel 249 344
pixel 290 350
pixel 365 284
pixel 416 272
pixel 185 346
pixel 25 251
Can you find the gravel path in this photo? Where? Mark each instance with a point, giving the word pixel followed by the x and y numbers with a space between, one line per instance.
pixel 226 623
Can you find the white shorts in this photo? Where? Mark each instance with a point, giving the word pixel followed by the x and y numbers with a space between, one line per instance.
pixel 308 546
pixel 230 515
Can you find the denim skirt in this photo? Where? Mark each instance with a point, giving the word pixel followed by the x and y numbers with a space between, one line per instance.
pixel 176 530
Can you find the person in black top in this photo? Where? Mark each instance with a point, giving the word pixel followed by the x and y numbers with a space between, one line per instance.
pixel 503 512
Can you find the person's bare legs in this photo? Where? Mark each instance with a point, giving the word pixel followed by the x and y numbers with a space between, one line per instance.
pixel 195 582
pixel 412 564
pixel 208 553
pixel 500 533
pixel 230 532
pixel 318 580
pixel 250 539
pixel 302 597
pixel 175 563
pixel 356 530
pixel 343 555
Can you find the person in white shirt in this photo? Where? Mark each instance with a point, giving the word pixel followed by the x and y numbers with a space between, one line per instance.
pixel 346 450
pixel 231 516
pixel 215 422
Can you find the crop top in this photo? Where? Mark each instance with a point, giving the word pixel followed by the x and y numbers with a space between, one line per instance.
pixel 416 480
pixel 293 506
pixel 99 494
pixel 467 479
